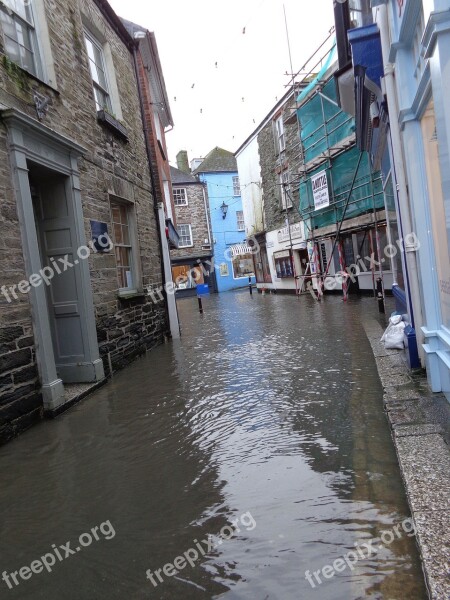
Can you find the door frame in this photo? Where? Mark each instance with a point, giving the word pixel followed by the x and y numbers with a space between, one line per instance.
pixel 29 140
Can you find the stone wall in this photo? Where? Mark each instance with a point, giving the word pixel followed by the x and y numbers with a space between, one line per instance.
pixel 272 163
pixel 109 167
pixel 195 215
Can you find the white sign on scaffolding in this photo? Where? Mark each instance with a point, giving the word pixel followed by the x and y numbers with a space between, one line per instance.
pixel 321 196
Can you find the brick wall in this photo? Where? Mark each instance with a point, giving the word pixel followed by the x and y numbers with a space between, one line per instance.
pixel 110 166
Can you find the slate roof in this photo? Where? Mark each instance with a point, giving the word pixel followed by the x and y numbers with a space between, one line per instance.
pixel 131 27
pixel 178 176
pixel 218 161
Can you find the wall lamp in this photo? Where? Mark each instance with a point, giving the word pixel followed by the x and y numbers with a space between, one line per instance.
pixel 224 209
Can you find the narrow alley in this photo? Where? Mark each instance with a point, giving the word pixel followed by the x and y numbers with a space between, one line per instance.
pixel 267 414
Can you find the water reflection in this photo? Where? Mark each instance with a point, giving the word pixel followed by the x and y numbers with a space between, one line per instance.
pixel 268 404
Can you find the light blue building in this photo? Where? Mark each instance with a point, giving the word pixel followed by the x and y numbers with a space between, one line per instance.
pixel 233 259
pixel 400 51
pixel 419 50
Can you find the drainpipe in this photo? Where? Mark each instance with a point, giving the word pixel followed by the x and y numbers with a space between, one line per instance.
pixel 166 269
pixel 412 277
pixel 207 214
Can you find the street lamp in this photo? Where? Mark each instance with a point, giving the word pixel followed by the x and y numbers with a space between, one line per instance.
pixel 224 209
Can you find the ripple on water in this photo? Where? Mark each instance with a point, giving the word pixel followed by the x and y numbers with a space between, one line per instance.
pixel 268 405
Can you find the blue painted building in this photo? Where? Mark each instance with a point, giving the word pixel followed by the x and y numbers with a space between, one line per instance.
pixel 233 260
pixel 410 41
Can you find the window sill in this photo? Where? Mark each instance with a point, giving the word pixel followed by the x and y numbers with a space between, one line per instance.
pixel 130 295
pixel 31 75
pixel 109 121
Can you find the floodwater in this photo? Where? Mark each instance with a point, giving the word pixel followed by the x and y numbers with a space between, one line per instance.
pixel 266 417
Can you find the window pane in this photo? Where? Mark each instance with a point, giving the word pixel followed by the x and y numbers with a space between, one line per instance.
pixel 122 256
pixel 118 238
pixel 185 235
pixel 13 50
pixel 125 235
pixel 115 213
pixel 27 60
pixel 97 69
pixel 93 69
pixel 125 278
pixel 243 266
pixel 101 99
pixel 8 25
pixel 23 36
pixel 123 214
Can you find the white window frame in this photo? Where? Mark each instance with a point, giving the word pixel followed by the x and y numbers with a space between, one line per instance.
pixel 26 20
pixel 246 257
pixel 131 246
pixel 286 201
pixel 240 220
pixel 236 186
pixel 280 134
pixel 175 199
pixel 106 91
pixel 180 245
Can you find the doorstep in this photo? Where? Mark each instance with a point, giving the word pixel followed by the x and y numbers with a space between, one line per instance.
pixel 74 393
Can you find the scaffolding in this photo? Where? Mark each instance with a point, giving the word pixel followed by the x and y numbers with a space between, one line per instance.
pixel 326 142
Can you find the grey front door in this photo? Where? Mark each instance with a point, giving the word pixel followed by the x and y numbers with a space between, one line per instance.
pixel 55 224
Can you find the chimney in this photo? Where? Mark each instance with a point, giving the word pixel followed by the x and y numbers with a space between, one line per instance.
pixel 183 161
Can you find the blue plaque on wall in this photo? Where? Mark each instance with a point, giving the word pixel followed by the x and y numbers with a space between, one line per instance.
pixel 100 238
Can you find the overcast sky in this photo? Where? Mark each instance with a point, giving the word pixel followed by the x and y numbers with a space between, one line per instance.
pixel 224 63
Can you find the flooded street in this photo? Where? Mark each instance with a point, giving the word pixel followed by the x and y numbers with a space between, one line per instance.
pixel 266 417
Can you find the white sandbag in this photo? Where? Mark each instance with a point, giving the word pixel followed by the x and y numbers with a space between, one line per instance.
pixel 393 336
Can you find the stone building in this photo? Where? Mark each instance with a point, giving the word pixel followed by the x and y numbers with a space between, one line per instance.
pixel 269 165
pixel 192 262
pixel 78 229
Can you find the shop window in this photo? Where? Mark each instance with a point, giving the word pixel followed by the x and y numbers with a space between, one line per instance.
pixel 243 266
pixel 283 264
pixel 186 277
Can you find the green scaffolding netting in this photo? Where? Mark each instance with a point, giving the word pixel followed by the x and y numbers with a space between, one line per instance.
pixel 323 123
pixel 367 192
